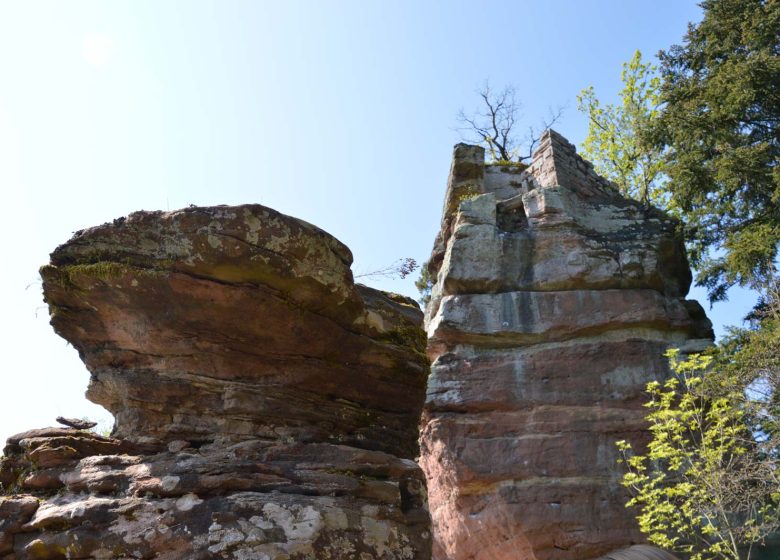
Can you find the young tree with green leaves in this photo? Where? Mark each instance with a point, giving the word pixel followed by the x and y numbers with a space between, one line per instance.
pixel 614 144
pixel 704 487
pixel 721 107
pixel 424 284
pixel 708 483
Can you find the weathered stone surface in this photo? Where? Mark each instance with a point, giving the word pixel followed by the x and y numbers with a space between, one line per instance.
pixel 554 302
pixel 236 322
pixel 639 552
pixel 266 406
pixel 77 423
pixel 248 500
pixel 15 511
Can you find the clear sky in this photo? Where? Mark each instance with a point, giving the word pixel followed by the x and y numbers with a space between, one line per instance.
pixel 338 112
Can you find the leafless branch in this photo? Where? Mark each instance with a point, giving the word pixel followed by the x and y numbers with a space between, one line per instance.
pixel 399 269
pixel 534 134
pixel 495 125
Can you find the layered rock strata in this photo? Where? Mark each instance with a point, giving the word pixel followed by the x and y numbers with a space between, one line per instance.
pixel 639 552
pixel 266 406
pixel 555 299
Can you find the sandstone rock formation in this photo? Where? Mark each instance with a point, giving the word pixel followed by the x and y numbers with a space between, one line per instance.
pixel 266 406
pixel 554 302
pixel 639 552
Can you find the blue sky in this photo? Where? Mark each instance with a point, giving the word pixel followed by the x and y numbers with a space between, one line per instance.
pixel 342 113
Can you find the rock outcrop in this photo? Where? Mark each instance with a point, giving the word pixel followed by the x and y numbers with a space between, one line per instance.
pixel 266 406
pixel 639 552
pixel 554 302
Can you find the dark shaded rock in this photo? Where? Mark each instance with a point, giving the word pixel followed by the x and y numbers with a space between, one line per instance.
pixel 77 423
pixel 639 552
pixel 15 511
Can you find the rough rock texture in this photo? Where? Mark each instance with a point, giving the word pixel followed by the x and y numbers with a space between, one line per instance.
pixel 639 552
pixel 266 406
pixel 554 302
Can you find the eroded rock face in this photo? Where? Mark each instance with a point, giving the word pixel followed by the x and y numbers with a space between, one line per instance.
pixel 639 552
pixel 253 499
pixel 266 406
pixel 554 302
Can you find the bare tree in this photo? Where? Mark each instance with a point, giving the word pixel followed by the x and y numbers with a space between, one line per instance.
pixel 495 126
pixel 399 269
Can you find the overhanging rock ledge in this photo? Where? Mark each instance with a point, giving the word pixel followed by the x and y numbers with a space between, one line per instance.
pixel 266 406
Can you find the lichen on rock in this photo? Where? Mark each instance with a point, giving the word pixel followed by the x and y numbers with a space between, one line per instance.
pixel 266 406
pixel 554 301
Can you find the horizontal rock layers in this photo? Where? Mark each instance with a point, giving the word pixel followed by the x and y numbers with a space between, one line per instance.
pixel 554 302
pixel 266 406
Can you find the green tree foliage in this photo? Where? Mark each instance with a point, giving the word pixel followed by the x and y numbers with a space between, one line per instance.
pixel 614 144
pixel 708 483
pixel 721 96
pixel 704 487
pixel 424 284
pixel 752 356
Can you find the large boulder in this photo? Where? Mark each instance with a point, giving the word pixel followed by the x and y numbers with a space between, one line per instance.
pixel 266 406
pixel 555 299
